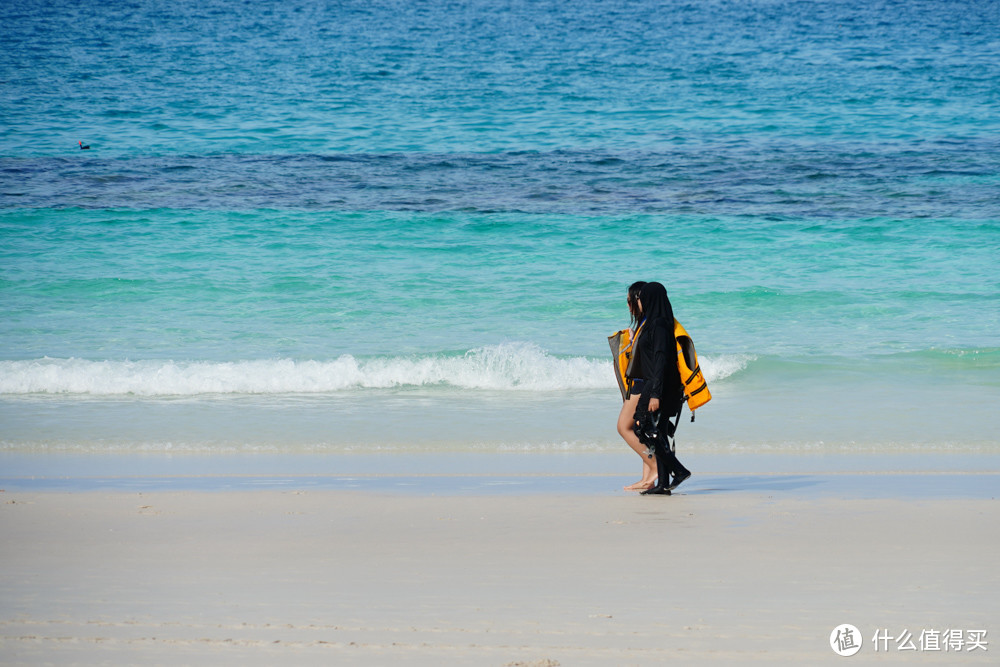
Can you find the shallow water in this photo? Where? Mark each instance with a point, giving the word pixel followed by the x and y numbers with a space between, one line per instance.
pixel 411 226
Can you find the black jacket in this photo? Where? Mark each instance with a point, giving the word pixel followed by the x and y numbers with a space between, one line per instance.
pixel 656 363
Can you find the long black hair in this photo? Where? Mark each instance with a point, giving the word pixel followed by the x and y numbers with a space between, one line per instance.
pixel 633 302
pixel 659 318
pixel 656 305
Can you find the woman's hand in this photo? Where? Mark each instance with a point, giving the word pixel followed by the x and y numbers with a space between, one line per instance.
pixel 654 404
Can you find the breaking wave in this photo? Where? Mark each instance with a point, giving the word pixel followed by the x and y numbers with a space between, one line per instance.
pixel 506 367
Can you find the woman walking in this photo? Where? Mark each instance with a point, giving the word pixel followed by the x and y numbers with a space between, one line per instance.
pixel 626 418
pixel 662 394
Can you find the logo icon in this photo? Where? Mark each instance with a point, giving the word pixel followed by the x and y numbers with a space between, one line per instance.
pixel 845 640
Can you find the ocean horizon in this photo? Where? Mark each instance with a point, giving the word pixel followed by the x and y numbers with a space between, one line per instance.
pixel 404 228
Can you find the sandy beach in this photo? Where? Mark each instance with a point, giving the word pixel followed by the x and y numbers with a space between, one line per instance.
pixel 304 332
pixel 364 578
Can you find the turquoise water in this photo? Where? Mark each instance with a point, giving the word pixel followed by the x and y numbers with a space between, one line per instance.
pixel 410 226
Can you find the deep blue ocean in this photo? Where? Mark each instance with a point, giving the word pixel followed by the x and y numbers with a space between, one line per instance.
pixel 409 226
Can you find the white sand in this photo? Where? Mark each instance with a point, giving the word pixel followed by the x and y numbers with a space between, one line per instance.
pixel 335 577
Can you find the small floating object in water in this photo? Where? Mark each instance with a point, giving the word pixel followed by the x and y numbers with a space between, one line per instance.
pixel 82 147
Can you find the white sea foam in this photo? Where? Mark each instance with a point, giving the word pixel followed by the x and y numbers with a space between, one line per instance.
pixel 721 367
pixel 506 367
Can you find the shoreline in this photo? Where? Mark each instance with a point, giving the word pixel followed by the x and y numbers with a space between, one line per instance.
pixel 887 475
pixel 982 485
pixel 261 576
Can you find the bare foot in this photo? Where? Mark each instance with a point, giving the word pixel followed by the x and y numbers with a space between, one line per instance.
pixel 648 480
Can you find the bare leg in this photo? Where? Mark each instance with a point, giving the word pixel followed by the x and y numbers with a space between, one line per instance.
pixel 632 440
